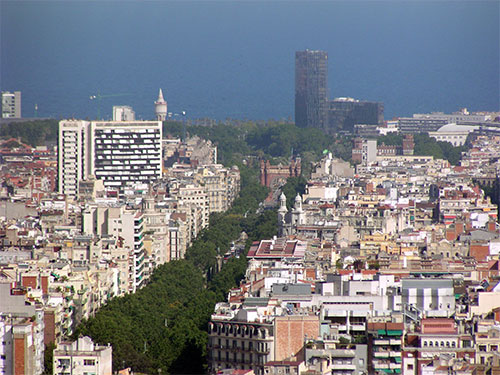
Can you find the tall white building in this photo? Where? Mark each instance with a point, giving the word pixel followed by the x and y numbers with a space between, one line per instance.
pixel 73 155
pixel 120 153
pixel 127 227
pixel 123 113
pixel 125 153
pixel 11 104
pixel 161 107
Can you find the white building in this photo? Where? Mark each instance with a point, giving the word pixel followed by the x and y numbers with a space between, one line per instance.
pixel 121 153
pixel 127 228
pixel 21 334
pixel 123 113
pixel 435 297
pixel 125 153
pixel 73 155
pixel 11 104
pixel 461 116
pixel 82 357
pixel 453 133
pixel 161 107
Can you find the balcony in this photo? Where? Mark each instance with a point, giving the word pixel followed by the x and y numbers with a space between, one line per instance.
pixel 343 366
pixel 358 327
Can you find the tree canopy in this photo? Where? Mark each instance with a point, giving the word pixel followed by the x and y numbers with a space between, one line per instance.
pixel 427 146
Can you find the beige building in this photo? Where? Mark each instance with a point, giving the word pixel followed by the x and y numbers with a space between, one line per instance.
pixel 126 227
pixel 82 357
pixel 221 185
pixel 487 341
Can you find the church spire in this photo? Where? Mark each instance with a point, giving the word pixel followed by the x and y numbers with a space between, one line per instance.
pixel 161 107
pixel 160 97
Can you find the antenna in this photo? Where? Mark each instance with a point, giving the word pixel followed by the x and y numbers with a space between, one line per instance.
pixel 99 97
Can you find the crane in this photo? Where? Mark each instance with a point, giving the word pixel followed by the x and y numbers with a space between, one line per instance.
pixel 99 97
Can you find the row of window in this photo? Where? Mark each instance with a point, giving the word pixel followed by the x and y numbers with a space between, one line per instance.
pixel 441 344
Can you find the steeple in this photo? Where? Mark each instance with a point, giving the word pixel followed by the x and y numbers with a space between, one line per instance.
pixel 160 97
pixel 161 107
pixel 298 203
pixel 282 203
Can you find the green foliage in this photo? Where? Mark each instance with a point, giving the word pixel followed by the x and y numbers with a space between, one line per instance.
pixel 293 186
pixel 269 140
pixel 153 327
pixel 391 139
pixel 48 356
pixel 182 294
pixel 34 133
pixel 427 146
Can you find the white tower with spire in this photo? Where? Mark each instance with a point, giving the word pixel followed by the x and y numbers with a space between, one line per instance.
pixel 297 213
pixel 282 211
pixel 161 107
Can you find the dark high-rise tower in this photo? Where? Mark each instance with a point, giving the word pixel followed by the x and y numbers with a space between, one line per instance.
pixel 311 92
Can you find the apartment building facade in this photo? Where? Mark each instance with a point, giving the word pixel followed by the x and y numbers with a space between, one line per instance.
pixel 82 357
pixel 120 153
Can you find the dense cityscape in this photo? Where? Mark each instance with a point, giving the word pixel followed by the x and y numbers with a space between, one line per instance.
pixel 344 243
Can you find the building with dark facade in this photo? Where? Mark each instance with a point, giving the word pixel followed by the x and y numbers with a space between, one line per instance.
pixel 344 113
pixel 415 125
pixel 314 109
pixel 311 88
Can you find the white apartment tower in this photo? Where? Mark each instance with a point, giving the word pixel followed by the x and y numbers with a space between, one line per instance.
pixel 127 152
pixel 11 104
pixel 120 153
pixel 73 155
pixel 161 107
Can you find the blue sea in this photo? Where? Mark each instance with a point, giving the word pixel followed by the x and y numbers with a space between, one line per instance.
pixel 235 59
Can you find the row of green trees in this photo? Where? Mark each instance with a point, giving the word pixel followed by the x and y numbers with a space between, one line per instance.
pixel 164 325
pixel 34 133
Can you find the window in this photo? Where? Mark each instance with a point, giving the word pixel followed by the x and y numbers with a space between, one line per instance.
pixel 89 362
pixel 410 366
